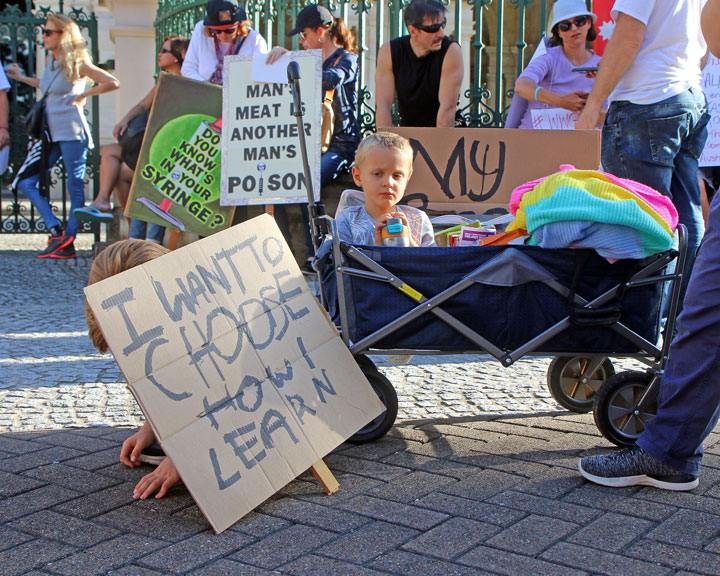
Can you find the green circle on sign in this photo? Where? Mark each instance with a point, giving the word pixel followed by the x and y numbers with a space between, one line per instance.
pixel 171 137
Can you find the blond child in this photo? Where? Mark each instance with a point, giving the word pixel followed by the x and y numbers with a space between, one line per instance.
pixel 383 166
pixel 117 258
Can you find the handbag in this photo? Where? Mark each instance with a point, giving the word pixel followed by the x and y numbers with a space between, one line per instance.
pixel 328 117
pixel 35 120
pixel 132 138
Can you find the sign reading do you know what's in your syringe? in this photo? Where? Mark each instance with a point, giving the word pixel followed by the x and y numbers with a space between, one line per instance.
pixel 261 158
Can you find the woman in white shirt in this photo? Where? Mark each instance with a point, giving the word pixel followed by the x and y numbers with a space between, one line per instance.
pixel 224 31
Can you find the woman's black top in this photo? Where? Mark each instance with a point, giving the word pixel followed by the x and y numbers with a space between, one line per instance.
pixel 340 73
pixel 417 81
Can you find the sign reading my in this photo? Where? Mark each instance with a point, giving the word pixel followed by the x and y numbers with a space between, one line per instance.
pixel 242 377
pixel 462 169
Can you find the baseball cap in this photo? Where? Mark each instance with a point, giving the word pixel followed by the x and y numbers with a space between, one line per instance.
pixel 312 16
pixel 567 9
pixel 223 14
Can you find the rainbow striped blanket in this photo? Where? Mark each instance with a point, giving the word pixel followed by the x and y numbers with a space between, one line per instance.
pixel 617 217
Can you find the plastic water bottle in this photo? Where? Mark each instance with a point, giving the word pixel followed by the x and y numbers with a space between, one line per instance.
pixel 395 233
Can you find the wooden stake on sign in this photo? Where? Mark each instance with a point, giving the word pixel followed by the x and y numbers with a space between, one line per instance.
pixel 173 240
pixel 270 209
pixel 325 477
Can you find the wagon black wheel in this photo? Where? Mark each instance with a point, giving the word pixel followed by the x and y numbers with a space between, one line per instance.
pixel 616 411
pixel 571 385
pixel 380 426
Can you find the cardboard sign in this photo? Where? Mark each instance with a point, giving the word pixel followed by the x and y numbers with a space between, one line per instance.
pixel 475 170
pixel 553 119
pixel 241 375
pixel 261 158
pixel 177 179
pixel 711 87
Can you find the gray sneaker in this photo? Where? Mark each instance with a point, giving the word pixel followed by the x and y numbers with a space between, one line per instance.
pixel 634 467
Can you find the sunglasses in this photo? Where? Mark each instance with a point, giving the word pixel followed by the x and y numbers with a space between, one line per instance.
pixel 302 36
pixel 431 28
pixel 224 31
pixel 48 32
pixel 166 51
pixel 565 25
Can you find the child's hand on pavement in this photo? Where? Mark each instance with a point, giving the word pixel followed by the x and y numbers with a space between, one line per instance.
pixel 160 480
pixel 133 446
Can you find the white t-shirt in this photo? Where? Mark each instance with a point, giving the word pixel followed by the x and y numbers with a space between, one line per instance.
pixel 668 62
pixel 200 61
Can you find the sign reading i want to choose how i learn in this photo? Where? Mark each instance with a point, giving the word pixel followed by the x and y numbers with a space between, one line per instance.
pixel 177 178
pixel 243 378
pixel 261 158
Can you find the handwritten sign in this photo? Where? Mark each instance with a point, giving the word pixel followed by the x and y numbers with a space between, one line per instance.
pixel 475 170
pixel 242 377
pixel 711 87
pixel 553 119
pixel 261 159
pixel 177 179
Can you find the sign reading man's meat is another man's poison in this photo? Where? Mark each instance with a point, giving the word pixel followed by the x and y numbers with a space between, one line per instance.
pixel 242 376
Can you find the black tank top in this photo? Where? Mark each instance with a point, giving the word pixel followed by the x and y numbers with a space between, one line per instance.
pixel 417 81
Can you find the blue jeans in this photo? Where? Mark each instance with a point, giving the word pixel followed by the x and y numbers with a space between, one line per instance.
pixel 143 231
pixel 74 156
pixel 689 401
pixel 659 145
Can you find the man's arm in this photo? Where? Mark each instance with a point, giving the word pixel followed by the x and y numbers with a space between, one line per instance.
pixel 384 87
pixel 620 53
pixel 710 23
pixel 450 80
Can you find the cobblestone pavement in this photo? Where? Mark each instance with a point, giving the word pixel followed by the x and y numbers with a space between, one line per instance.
pixel 478 476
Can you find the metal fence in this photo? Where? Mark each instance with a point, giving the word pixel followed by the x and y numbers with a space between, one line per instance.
pixel 21 41
pixel 497 38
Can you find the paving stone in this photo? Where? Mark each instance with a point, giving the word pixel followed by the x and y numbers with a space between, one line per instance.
pixel 283 546
pixel 400 562
pixel 679 499
pixel 12 484
pixel 369 542
pixel 453 537
pixel 395 512
pixel 312 564
pixel 602 562
pixel 510 564
pixel 611 499
pixel 97 460
pixel 78 441
pixel 544 507
pixel 532 535
pixel 29 502
pixel 676 556
pixel 482 485
pixel 225 567
pixel 466 508
pixel 195 551
pixel 413 486
pixel 133 571
pixel 90 505
pixel 137 520
pixel 40 458
pixel 103 557
pixel 450 468
pixel 258 525
pixel 611 532
pixel 10 538
pixel 64 528
pixel 350 486
pixel 71 477
pixel 33 554
pixel 311 514
pixel 362 467
pixel 688 528
pixel 8 443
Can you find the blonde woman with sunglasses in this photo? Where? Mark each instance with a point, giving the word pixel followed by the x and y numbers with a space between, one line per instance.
pixel 549 80
pixel 70 78
pixel 225 31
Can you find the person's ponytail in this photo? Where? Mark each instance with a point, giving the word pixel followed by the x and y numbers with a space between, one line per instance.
pixel 342 35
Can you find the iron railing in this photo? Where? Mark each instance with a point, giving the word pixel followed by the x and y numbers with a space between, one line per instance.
pixel 481 26
pixel 21 42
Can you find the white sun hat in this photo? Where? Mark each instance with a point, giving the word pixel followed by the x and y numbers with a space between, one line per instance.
pixel 567 9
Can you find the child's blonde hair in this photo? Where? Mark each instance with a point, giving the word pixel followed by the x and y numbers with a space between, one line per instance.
pixel 386 140
pixel 114 259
